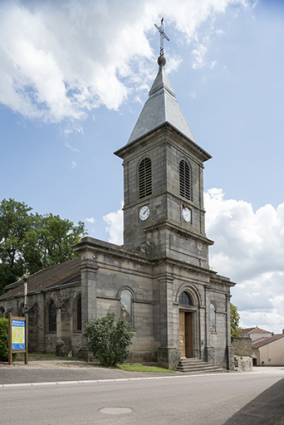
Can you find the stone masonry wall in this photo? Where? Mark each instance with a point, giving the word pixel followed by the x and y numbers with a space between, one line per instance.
pixel 242 346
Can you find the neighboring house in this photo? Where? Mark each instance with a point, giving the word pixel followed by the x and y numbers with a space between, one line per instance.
pixel 269 351
pixel 160 280
pixel 255 333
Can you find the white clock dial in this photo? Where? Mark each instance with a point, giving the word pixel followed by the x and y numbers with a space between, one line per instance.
pixel 186 213
pixel 144 213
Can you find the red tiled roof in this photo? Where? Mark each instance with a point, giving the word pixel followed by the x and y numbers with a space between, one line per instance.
pixel 264 341
pixel 60 274
pixel 254 330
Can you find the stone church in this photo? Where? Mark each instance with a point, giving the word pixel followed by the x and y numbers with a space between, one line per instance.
pixel 159 280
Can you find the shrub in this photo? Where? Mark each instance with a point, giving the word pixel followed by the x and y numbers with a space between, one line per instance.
pixel 108 341
pixel 4 348
pixel 4 340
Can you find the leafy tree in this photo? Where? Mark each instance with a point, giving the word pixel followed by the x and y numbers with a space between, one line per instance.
pixel 235 319
pixel 49 241
pixel 30 242
pixel 14 223
pixel 108 341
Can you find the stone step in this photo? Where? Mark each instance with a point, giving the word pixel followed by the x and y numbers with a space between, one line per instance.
pixel 194 365
pixel 206 366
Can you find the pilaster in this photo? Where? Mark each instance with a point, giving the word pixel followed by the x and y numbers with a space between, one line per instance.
pixel 167 355
pixel 89 270
pixel 230 348
pixel 209 350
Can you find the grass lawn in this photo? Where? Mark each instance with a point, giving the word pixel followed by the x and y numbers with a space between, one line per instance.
pixel 141 368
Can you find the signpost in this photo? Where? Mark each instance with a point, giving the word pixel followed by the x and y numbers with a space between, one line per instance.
pixel 18 336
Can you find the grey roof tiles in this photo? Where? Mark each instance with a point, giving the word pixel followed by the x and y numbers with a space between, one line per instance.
pixel 161 107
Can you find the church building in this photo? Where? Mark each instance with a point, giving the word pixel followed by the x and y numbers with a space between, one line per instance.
pixel 160 280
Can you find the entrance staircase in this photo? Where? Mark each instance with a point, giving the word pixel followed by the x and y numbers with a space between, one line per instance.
pixel 194 365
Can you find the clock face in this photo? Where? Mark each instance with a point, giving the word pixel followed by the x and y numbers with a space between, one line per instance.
pixel 186 213
pixel 144 213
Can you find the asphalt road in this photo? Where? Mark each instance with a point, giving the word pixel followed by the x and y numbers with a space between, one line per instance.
pixel 253 398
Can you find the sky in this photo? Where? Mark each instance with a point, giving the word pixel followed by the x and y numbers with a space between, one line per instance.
pixel 74 76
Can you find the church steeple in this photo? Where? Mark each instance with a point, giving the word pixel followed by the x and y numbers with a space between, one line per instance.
pixel 160 108
pixel 163 180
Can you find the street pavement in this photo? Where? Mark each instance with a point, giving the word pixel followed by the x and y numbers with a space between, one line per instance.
pixel 47 396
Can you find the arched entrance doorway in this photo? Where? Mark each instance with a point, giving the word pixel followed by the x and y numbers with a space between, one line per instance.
pixel 185 325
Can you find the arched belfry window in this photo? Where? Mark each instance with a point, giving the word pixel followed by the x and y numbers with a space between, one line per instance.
pixel 184 180
pixel 145 178
pixel 126 306
pixel 52 317
pixel 212 317
pixel 185 299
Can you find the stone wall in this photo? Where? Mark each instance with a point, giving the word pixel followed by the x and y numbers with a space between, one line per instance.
pixel 242 346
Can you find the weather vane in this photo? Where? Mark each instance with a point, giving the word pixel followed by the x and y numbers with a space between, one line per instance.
pixel 162 36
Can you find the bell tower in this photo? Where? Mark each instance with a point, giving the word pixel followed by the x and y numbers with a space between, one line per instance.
pixel 163 181
pixel 164 213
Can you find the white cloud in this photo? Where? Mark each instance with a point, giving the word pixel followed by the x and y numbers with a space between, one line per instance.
pixel 90 220
pixel 74 164
pixel 199 55
pixel 249 248
pixel 71 147
pixel 114 227
pixel 63 59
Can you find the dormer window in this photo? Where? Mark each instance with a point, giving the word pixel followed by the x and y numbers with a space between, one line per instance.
pixel 184 180
pixel 145 178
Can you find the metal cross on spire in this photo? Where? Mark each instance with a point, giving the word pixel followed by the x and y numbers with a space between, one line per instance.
pixel 162 36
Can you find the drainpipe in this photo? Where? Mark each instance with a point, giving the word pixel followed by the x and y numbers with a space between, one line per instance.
pixel 25 291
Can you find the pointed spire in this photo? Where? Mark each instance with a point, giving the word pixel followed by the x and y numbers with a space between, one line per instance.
pixel 161 107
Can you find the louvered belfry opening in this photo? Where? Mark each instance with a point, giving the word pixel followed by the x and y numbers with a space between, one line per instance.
pixel 184 179
pixel 145 178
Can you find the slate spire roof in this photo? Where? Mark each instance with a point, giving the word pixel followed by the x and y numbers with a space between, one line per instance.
pixel 161 107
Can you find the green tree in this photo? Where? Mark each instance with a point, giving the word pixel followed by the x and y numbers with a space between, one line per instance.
pixel 49 241
pixel 14 223
pixel 30 242
pixel 235 319
pixel 108 341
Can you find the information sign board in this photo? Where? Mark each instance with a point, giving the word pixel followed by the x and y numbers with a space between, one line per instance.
pixel 18 334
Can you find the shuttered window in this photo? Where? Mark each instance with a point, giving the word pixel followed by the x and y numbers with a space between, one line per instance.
pixel 145 178
pixel 184 180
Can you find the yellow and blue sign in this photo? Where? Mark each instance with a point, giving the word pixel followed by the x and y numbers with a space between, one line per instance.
pixel 18 334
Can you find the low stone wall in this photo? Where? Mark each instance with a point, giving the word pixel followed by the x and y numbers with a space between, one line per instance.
pixel 243 364
pixel 242 346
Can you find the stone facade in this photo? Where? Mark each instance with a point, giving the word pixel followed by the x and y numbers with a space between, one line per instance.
pixel 66 338
pixel 160 279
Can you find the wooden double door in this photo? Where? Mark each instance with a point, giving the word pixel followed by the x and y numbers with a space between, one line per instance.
pixel 185 334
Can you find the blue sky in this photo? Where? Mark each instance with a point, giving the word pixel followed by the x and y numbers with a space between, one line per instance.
pixel 73 79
